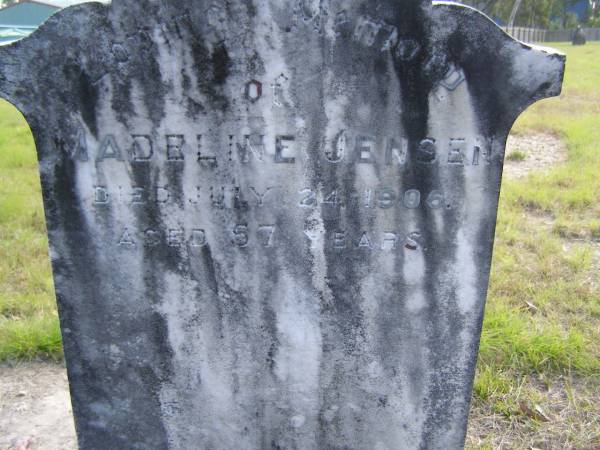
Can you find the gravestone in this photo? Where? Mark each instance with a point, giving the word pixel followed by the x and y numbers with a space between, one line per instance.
pixel 579 37
pixel 271 221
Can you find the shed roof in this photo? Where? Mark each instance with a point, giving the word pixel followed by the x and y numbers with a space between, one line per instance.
pixel 26 14
pixel 21 19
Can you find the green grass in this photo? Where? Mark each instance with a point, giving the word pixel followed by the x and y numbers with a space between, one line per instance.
pixel 542 319
pixel 544 303
pixel 28 320
pixel 542 325
pixel 516 156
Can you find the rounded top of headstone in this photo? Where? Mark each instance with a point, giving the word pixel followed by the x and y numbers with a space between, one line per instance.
pixel 403 3
pixel 406 5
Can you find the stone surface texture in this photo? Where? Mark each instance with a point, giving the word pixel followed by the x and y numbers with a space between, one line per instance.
pixel 271 221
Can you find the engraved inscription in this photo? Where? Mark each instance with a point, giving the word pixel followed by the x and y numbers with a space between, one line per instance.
pixel 220 197
pixel 175 144
pixel 407 49
pixel 453 78
pixel 387 241
pixel 383 198
pixel 109 149
pixel 243 236
pixel 142 147
pixel 172 237
pixel 253 90
pixel 284 149
pixel 373 33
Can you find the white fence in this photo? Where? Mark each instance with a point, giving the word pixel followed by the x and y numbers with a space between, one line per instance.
pixel 540 35
pixel 592 34
pixel 527 34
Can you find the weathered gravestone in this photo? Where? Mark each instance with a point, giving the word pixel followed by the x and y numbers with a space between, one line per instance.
pixel 271 221
pixel 579 37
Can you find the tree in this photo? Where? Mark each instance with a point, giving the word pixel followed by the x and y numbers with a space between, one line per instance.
pixel 485 6
pixel 531 13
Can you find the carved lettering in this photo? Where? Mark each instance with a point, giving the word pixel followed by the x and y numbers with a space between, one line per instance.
pixel 80 152
pixel 175 143
pixel 456 152
pixel 253 91
pixel 240 235
pixel 390 241
pixel 267 232
pixel 217 197
pixel 397 152
pixel 412 199
pixel 364 150
pixel 126 240
pixel 366 31
pixel 312 232
pixel 435 200
pixel 284 151
pixel 426 151
pixel 332 199
pixel 198 238
pixel 279 90
pixel 238 199
pixel 151 238
pixel 407 49
pixel 365 241
pixel 101 195
pixel 142 147
pixel 175 237
pixel 341 22
pixel 209 160
pixel 286 148
pixel 109 149
pixel 264 236
pixel 260 197
pixel 137 195
pixel 163 195
pixel 386 198
pixel 368 198
pixel 412 241
pixel 476 155
pixel 338 148
pixel 309 198
pixel 339 240
pixel 253 144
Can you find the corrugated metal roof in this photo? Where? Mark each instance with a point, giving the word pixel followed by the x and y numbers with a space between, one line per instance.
pixel 22 19
pixel 26 14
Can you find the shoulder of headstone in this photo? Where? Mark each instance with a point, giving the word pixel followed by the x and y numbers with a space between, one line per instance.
pixel 66 35
pixel 517 73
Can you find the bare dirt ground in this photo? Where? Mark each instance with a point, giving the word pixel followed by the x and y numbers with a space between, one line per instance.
pixel 542 151
pixel 564 417
pixel 35 410
pixel 35 414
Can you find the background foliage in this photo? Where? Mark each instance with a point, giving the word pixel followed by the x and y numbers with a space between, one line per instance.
pixel 551 14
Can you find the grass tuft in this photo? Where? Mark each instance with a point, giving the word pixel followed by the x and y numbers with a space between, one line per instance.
pixel 517 156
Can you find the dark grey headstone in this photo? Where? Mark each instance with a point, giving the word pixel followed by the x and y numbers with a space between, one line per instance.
pixel 579 37
pixel 271 222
